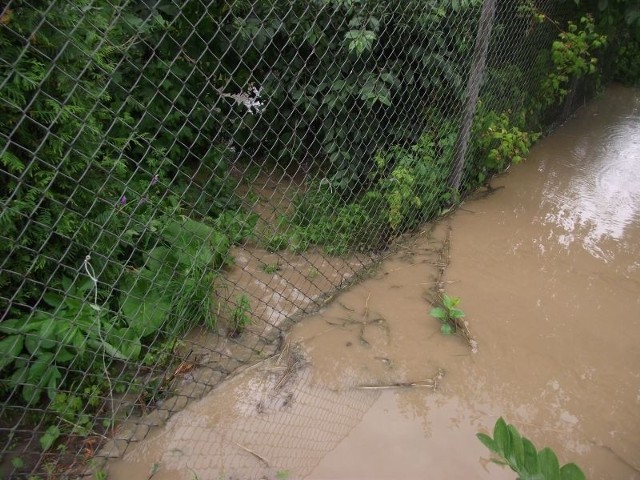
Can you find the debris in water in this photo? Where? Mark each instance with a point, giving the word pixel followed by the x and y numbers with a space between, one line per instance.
pixel 429 383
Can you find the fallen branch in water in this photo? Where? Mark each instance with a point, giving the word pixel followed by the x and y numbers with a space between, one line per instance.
pixel 429 383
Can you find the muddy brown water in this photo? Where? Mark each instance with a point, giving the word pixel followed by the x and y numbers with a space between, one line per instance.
pixel 548 269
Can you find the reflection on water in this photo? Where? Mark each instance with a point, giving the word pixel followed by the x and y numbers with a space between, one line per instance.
pixel 601 197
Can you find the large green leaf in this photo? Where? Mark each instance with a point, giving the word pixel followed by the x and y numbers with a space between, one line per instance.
pixel 146 311
pixel 122 343
pixel 571 472
pixel 531 463
pixel 158 257
pixel 49 437
pixel 549 466
pixel 516 456
pixel 487 442
pixel 11 326
pixel 501 437
pixel 52 378
pixel 10 348
pixel 37 377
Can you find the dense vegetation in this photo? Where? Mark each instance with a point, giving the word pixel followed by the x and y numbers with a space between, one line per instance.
pixel 119 125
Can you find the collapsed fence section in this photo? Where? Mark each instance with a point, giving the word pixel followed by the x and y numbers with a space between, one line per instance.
pixel 181 179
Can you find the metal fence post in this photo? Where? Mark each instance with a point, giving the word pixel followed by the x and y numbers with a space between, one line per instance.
pixel 485 26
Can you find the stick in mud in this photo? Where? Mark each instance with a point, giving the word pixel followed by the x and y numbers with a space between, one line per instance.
pixel 258 456
pixel 429 383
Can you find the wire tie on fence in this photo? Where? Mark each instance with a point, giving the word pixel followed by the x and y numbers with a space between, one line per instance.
pixel 92 275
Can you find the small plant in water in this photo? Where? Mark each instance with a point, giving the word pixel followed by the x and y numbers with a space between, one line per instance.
pixel 282 475
pixel 520 454
pixel 240 316
pixel 448 314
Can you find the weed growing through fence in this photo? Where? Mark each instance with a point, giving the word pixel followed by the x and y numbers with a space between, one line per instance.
pixel 270 268
pixel 240 316
pixel 277 242
pixel 520 454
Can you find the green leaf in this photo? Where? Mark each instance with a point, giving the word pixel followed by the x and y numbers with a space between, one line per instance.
pixel 549 466
pixel 53 377
pixel 501 437
pixel 11 326
pixel 450 302
pixel 126 341
pixel 488 442
pixel 64 356
pixel 446 329
pixel 438 312
pixel 145 309
pixel 517 448
pixel 49 437
pixel 10 348
pixel 53 299
pixel 37 377
pixel 531 463
pixel 571 472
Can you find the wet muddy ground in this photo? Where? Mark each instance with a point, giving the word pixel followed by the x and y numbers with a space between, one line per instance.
pixel 548 270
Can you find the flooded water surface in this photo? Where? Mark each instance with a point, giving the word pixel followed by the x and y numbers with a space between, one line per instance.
pixel 548 270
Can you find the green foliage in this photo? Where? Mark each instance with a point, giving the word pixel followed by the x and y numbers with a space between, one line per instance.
pixel 45 344
pixel 448 314
pixel 406 186
pixel 49 437
pixel 270 268
pixel 170 292
pixel 572 56
pixel 627 66
pixel 322 217
pixel 519 453
pixel 277 242
pixel 499 142
pixel 416 186
pixel 173 289
pixel 344 71
pixel 240 316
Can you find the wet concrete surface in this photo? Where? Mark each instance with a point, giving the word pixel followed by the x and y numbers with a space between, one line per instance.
pixel 548 270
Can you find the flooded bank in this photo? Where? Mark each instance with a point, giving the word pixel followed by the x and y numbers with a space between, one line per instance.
pixel 548 270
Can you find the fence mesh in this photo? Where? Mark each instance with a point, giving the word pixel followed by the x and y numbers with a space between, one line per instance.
pixel 182 180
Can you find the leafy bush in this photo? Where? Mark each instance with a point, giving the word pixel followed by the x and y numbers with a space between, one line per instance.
pixel 171 292
pixel 415 186
pixel 573 56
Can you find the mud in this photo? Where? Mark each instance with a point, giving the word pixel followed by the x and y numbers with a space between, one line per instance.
pixel 548 271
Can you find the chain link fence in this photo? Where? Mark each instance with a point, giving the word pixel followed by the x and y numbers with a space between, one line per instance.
pixel 182 180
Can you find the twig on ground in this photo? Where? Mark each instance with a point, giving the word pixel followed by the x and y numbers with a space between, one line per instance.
pixel 257 455
pixel 429 383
